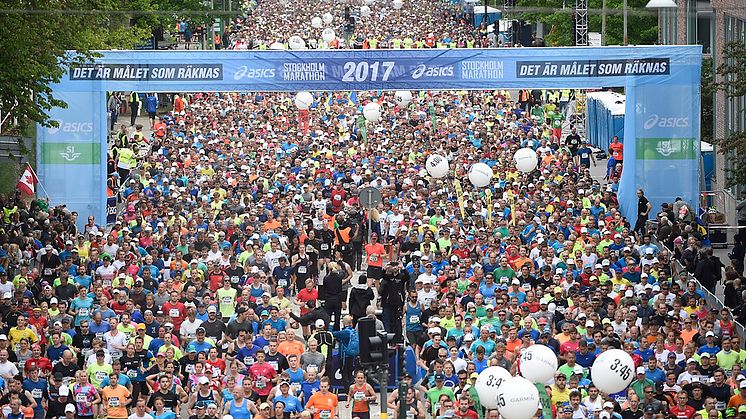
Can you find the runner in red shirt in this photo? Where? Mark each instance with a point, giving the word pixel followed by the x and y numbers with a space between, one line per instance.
pixel 264 375
pixel 682 410
pixel 175 310
pixel 38 361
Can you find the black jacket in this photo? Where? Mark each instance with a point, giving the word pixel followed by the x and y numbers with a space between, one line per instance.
pixel 313 315
pixel 393 289
pixel 360 299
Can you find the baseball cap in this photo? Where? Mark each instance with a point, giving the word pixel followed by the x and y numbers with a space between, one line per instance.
pixel 649 409
pixel 567 409
pixel 742 408
pixel 705 355
pixel 64 391
pixel 710 333
pixel 69 408
pixel 319 323
pixel 608 405
pixel 212 309
pixel 203 380
pixel 641 370
pixel 743 384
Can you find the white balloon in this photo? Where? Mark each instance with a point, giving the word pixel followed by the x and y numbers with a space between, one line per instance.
pixel 327 18
pixel 296 42
pixel 372 112
pixel 437 166
pixel 480 175
pixel 328 35
pixel 364 11
pixel 316 22
pixel 403 97
pixel 398 4
pixel 517 398
pixel 487 384
pixel 613 371
pixel 525 160
pixel 277 46
pixel 538 363
pixel 303 100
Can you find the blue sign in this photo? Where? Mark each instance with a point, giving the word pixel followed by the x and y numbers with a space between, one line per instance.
pixel 662 84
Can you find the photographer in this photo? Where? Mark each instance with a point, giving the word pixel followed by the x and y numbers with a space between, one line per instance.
pixel 392 293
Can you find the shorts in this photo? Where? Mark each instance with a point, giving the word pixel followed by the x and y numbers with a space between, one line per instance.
pixel 151 115
pixel 375 272
pixel 360 415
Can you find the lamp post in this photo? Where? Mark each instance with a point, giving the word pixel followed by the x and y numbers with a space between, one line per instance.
pixel 663 7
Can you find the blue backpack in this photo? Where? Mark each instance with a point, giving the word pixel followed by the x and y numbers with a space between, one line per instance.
pixel 352 348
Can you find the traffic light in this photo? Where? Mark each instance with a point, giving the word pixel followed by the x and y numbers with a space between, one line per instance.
pixel 374 345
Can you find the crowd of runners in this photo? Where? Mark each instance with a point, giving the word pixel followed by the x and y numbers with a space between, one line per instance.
pixel 232 283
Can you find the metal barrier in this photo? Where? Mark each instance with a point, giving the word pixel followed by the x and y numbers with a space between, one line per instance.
pixel 712 299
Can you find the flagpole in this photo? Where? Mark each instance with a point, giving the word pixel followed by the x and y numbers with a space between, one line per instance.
pixel 38 181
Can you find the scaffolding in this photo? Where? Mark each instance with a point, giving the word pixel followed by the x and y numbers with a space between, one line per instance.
pixel 581 23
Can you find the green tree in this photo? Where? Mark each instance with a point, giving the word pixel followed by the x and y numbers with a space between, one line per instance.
pixel 642 26
pixel 38 36
pixel 730 78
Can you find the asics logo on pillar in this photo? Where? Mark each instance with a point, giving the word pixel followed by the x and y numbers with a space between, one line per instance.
pixel 70 127
pixel 656 120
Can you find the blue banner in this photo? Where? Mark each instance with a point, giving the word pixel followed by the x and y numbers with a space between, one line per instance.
pixel 662 109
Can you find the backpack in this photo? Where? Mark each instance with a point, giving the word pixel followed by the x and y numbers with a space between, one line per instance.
pixel 352 348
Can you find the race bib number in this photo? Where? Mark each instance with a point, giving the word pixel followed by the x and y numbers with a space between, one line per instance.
pixel 260 384
pixel 324 246
pixel 274 364
pixel 314 366
pixel 302 269
pixel 47 271
pixel 295 387
pixel 427 301
pixel 374 258
pixel 132 374
pixel 282 283
pixel 83 312
pixel 100 375
pixel 720 405
pixel 584 155
pixel 359 396
pixel 235 279
pixel 174 312
pixel 410 415
pixel 325 414
pixel 114 402
pixel 36 393
pixel 227 300
pixel 414 319
pixel 81 398
pixel 66 381
pixel 338 197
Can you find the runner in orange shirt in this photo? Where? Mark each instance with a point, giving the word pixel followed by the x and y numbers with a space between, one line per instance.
pixel 375 252
pixel 617 149
pixel 116 398
pixel 323 404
